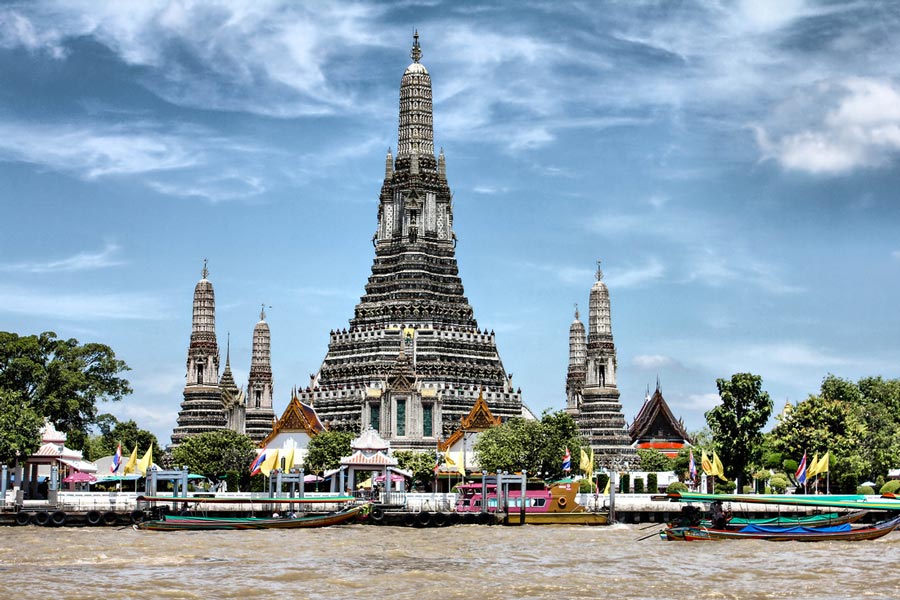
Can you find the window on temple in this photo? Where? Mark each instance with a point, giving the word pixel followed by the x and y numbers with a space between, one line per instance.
pixel 375 417
pixel 427 420
pixel 199 373
pixel 401 417
pixel 602 377
pixel 258 397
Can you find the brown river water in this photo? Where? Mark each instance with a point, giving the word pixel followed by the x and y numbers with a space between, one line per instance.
pixel 465 562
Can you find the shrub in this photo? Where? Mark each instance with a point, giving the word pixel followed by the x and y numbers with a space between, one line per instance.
pixel 725 487
pixel 638 485
pixel 676 486
pixel 865 490
pixel 890 487
pixel 652 483
pixel 747 489
pixel 233 480
pixel 778 483
pixel 586 486
pixel 625 483
pixel 602 480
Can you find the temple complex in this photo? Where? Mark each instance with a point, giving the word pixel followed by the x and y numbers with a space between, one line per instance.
pixel 211 403
pixel 655 427
pixel 413 360
pixel 592 397
pixel 202 409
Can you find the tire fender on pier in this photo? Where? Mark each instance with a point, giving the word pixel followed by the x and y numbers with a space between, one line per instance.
pixel 94 517
pixel 58 518
pixel 423 519
pixel 409 519
pixel 137 516
pixel 110 518
pixel 377 515
pixel 42 517
pixel 439 519
pixel 23 518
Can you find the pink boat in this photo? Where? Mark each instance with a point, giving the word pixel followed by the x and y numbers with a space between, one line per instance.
pixel 553 505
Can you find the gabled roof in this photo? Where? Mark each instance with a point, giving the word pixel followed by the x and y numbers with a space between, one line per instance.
pixel 655 421
pixel 296 417
pixel 402 377
pixel 479 418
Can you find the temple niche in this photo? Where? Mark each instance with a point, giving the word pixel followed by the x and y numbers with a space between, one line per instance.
pixel 413 360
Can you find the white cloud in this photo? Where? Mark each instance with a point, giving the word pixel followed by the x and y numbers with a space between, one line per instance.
pixel 652 270
pixel 652 362
pixel 701 402
pixel 79 262
pixel 490 190
pixel 862 131
pixel 79 306
pixel 896 254
pixel 214 188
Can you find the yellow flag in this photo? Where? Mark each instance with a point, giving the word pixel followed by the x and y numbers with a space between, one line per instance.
pixel 813 467
pixel 608 481
pixel 822 467
pixel 706 465
pixel 585 464
pixel 129 466
pixel 718 468
pixel 146 461
pixel 289 459
pixel 270 463
pixel 454 459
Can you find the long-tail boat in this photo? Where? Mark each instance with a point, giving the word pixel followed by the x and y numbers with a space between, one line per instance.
pixel 544 505
pixel 198 523
pixel 846 532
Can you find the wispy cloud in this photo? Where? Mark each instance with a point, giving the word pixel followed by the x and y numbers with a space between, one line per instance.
pixel 80 306
pixel 651 362
pixel 79 262
pixel 636 276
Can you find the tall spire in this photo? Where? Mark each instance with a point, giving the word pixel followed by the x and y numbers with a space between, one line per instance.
pixel 228 352
pixel 205 272
pixel 416 52
pixel 599 324
pixel 262 312
pixel 416 134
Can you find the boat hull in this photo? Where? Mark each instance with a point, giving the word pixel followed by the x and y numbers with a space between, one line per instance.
pixel 194 523
pixel 809 534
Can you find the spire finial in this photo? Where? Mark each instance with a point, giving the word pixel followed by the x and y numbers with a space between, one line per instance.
pixel 599 271
pixel 657 382
pixel 205 271
pixel 576 311
pixel 416 53
pixel 262 312
pixel 228 351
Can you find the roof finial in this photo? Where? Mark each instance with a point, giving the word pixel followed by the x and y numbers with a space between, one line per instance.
pixel 228 351
pixel 657 382
pixel 416 53
pixel 205 271
pixel 599 271
pixel 576 311
pixel 262 312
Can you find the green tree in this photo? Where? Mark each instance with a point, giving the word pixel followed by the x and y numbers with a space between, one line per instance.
pixel 214 453
pixel 820 424
pixel 127 433
pixel 737 422
pixel 61 380
pixel 326 449
pixel 420 463
pixel 536 446
pixel 20 427
pixel 653 460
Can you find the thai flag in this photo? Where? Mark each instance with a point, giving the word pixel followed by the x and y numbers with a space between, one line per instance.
pixel 692 467
pixel 257 463
pixel 567 460
pixel 800 475
pixel 117 460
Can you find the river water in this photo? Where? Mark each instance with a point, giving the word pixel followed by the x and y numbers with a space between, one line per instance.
pixel 470 561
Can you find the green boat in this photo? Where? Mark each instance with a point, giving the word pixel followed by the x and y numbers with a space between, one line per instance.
pixel 197 523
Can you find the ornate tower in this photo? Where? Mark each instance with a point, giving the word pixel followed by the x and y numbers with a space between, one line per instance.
pixel 599 416
pixel 232 396
pixel 413 360
pixel 202 408
pixel 577 365
pixel 259 385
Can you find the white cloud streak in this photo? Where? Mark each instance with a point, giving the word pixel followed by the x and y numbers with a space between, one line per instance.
pixel 79 306
pixel 651 362
pixel 79 262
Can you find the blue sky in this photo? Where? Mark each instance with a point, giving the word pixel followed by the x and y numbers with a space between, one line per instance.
pixel 734 165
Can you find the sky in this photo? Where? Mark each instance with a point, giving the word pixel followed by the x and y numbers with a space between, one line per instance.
pixel 735 166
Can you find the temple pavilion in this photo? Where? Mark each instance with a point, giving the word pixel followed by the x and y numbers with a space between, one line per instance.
pixel 655 427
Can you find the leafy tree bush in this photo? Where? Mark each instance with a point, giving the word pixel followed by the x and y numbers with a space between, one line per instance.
pixel 602 479
pixel 625 483
pixel 890 487
pixel 865 490
pixel 420 463
pixel 737 422
pixel 638 485
pixel 326 449
pixel 779 483
pixel 676 486
pixel 652 486
pixel 214 453
pixel 586 486
pixel 654 460
pixel 725 487
pixel 60 380
pixel 20 427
